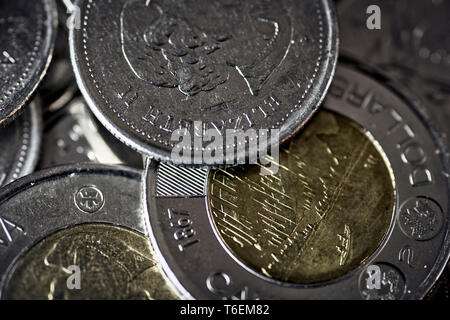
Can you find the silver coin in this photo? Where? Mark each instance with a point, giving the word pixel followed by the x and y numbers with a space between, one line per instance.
pixel 59 86
pixel 60 199
pixel 409 259
pixel 149 68
pixel 72 135
pixel 20 142
pixel 441 290
pixel 26 45
pixel 412 47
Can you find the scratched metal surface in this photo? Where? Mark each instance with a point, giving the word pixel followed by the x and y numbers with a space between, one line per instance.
pixel 411 256
pixel 308 222
pixel 56 214
pixel 26 46
pixel 19 144
pixel 147 70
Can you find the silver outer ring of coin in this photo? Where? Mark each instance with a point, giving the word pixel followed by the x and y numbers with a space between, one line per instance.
pixel 29 124
pixel 203 267
pixel 31 223
pixel 51 23
pixel 78 51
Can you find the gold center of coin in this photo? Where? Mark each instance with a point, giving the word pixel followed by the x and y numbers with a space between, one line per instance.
pixel 324 212
pixel 108 262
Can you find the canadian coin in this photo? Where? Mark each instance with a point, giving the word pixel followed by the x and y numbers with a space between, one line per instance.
pixel 150 68
pixel 441 290
pixel 20 142
pixel 72 135
pixel 412 47
pixel 26 45
pixel 59 86
pixel 77 232
pixel 358 208
pixel 307 223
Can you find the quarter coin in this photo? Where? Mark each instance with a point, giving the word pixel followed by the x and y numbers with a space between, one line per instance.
pixel 148 69
pixel 72 135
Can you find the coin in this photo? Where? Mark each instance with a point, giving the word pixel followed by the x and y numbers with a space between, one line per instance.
pixel 59 86
pixel 72 135
pixel 412 47
pixel 308 223
pixel 20 142
pixel 405 248
pixel 441 290
pixel 148 69
pixel 87 218
pixel 26 45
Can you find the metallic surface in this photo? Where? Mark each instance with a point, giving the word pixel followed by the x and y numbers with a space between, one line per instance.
pixel 72 135
pixel 412 47
pixel 59 85
pixel 59 209
pixel 323 213
pixel 408 261
pixel 26 45
pixel 115 263
pixel 19 144
pixel 149 68
pixel 441 290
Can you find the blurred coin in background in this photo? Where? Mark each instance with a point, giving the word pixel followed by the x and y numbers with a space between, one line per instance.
pixel 412 47
pixel 73 135
pixel 20 142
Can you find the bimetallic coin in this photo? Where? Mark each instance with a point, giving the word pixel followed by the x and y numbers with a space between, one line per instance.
pixel 26 45
pixel 325 210
pixel 412 47
pixel 150 68
pixel 72 135
pixel 19 143
pixel 358 208
pixel 77 233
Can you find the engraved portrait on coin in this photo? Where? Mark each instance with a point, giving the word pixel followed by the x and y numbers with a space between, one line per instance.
pixel 26 46
pixel 227 64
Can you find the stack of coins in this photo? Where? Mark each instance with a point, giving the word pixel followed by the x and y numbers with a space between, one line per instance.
pixel 197 149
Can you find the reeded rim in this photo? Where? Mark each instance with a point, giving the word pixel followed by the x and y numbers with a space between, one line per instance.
pixel 52 22
pixel 287 130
